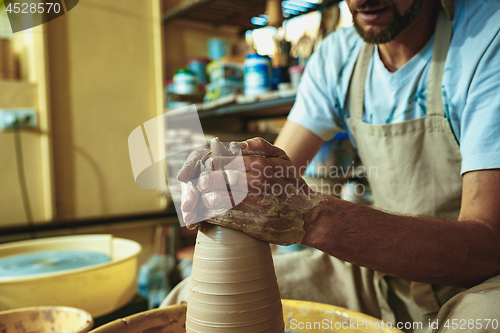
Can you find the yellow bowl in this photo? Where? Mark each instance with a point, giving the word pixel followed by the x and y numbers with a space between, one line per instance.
pixel 45 319
pixel 311 317
pixel 171 319
pixel 299 316
pixel 98 289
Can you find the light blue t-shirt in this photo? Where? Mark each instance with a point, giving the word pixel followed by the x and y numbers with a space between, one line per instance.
pixel 471 85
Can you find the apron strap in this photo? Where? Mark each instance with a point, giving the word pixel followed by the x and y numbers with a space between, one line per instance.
pixel 442 42
pixel 358 79
pixel 435 105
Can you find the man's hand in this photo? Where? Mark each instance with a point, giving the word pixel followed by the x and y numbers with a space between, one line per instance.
pixel 260 193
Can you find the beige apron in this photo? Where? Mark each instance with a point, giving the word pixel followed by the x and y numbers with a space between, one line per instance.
pixel 418 164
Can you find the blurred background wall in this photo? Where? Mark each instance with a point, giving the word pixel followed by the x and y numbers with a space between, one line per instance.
pixel 101 83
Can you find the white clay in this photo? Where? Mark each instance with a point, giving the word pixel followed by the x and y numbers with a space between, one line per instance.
pixel 233 284
pixel 232 176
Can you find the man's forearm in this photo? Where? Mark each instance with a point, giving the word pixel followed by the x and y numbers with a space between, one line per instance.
pixel 459 253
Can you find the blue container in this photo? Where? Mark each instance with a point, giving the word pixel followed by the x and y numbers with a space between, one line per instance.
pixel 280 75
pixel 257 74
pixel 198 66
pixel 218 47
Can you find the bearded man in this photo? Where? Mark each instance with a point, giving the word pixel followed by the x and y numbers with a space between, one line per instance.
pixel 415 83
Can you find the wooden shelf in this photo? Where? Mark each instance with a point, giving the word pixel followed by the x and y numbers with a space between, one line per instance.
pixel 279 107
pixel 268 108
pixel 227 12
pixel 168 217
pixel 236 13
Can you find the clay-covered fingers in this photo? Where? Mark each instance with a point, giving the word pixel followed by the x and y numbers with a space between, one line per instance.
pixel 189 202
pixel 217 148
pixel 218 202
pixel 219 180
pixel 271 166
pixel 215 162
pixel 259 146
pixel 251 182
pixel 193 165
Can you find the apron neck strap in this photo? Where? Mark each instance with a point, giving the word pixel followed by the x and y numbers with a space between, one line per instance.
pixel 435 105
pixel 357 88
pixel 442 41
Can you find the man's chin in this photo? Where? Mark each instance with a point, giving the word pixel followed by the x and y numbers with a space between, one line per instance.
pixel 384 27
pixel 373 34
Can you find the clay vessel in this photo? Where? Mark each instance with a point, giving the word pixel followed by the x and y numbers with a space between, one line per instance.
pixel 45 319
pixel 233 284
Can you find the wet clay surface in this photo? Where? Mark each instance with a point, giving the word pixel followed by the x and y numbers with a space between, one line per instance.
pixel 233 284
pixel 273 220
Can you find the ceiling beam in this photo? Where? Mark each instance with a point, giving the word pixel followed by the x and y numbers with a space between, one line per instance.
pixel 184 8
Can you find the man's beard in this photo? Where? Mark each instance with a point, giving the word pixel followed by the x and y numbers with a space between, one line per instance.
pixel 396 25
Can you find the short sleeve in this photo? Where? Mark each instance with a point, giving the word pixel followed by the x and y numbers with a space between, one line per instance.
pixel 480 121
pixel 316 106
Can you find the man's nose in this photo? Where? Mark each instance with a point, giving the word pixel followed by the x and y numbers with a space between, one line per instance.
pixel 355 4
